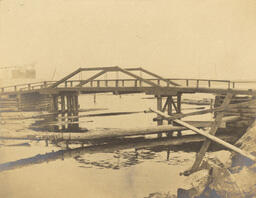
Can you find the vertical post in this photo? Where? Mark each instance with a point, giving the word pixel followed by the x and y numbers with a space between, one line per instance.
pixel 55 110
pixel 72 111
pixel 69 110
pixel 179 103
pixel 169 108
pixel 76 111
pixel 168 153
pixel 197 83
pixel 63 111
pixel 187 83
pixel 54 103
pixel 179 108
pixel 169 111
pixel 18 97
pixel 159 108
pixel 94 99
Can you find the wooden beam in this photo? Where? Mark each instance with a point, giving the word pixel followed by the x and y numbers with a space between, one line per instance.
pixel 152 74
pixel 91 78
pixel 113 68
pixel 209 136
pixel 94 134
pixel 165 104
pixel 174 105
pixel 213 130
pixel 65 78
pixel 138 77
pixel 159 77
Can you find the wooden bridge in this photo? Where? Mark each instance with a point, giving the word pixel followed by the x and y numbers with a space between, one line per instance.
pixel 61 99
pixel 156 85
pixel 62 95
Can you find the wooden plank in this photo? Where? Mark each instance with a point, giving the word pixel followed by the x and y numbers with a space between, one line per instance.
pixel 213 130
pixel 209 136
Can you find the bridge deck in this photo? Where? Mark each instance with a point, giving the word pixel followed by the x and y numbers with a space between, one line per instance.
pixel 136 84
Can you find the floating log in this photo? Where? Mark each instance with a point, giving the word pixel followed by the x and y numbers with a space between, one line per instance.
pixel 52 114
pixel 211 137
pixel 110 114
pixel 58 123
pixel 95 134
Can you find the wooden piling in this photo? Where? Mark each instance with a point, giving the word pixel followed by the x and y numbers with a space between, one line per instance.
pixel 69 110
pixel 63 111
pixel 159 108
pixel 169 111
pixel 75 111
pixel 178 110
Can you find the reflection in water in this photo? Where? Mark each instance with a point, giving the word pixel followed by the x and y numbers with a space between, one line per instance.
pixel 119 159
pixel 124 159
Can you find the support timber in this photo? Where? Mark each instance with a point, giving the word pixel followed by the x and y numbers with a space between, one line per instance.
pixel 213 130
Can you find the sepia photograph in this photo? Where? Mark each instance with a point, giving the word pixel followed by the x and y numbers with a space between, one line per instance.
pixel 127 99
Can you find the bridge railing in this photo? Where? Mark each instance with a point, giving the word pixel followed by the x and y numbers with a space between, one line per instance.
pixel 184 82
pixel 26 86
pixel 200 83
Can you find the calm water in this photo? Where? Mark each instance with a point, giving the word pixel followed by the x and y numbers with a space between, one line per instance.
pixel 122 173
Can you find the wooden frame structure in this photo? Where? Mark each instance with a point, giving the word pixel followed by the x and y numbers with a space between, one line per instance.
pixel 220 112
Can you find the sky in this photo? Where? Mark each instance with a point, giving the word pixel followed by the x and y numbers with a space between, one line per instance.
pixel 174 38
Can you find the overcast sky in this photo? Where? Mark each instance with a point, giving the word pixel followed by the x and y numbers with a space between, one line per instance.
pixel 175 38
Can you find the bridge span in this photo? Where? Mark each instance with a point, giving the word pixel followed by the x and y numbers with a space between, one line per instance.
pixel 62 96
